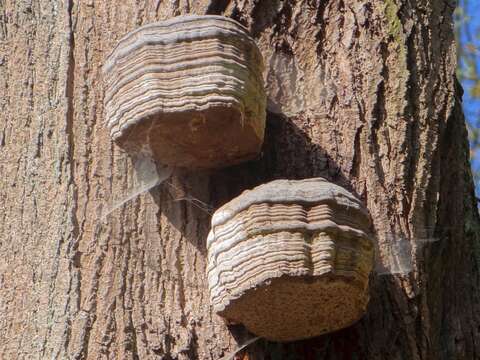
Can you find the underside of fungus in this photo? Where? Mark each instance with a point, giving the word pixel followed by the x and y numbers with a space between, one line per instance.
pixel 189 89
pixel 291 259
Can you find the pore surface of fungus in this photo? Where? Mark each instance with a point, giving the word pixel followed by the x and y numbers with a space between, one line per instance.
pixel 189 89
pixel 291 259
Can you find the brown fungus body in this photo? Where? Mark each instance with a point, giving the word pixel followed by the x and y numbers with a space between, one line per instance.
pixel 190 90
pixel 291 259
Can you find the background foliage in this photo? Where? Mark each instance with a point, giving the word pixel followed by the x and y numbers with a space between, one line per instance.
pixel 468 72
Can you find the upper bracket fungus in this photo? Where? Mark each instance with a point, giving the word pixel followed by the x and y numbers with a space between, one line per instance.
pixel 291 259
pixel 190 89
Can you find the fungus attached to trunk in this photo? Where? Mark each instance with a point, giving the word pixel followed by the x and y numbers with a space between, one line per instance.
pixel 291 259
pixel 188 89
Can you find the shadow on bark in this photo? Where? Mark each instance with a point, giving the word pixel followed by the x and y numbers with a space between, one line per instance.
pixel 287 153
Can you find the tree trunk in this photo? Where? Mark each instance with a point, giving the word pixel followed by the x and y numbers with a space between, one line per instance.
pixel 361 92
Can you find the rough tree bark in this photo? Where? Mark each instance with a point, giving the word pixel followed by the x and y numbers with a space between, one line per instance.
pixel 361 92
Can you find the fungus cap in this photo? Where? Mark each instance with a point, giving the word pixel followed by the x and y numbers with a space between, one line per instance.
pixel 291 259
pixel 190 89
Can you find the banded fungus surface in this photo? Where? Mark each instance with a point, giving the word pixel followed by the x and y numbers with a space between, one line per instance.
pixel 291 259
pixel 189 89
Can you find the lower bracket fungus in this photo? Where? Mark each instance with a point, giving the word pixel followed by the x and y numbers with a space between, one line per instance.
pixel 190 89
pixel 291 259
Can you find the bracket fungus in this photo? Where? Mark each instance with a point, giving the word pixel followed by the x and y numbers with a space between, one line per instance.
pixel 291 259
pixel 189 89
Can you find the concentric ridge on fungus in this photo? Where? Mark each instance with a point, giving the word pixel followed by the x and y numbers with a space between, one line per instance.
pixel 291 259
pixel 190 88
